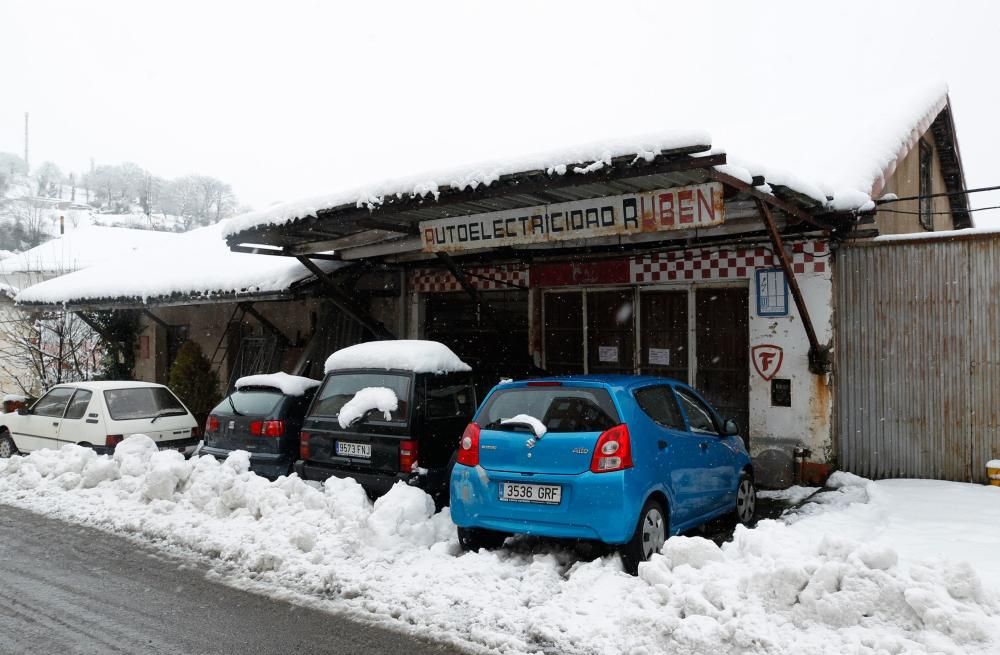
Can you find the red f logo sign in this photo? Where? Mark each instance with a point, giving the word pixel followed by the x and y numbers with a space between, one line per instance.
pixel 767 360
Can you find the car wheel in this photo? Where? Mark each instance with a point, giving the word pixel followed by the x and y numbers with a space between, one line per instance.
pixel 746 500
pixel 477 538
pixel 650 534
pixel 7 447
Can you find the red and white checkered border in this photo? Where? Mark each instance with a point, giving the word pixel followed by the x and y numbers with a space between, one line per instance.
pixel 724 263
pixel 494 278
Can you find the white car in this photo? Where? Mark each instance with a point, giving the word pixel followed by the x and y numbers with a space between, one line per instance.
pixel 99 415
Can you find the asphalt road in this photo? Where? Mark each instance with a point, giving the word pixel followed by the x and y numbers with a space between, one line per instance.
pixel 69 589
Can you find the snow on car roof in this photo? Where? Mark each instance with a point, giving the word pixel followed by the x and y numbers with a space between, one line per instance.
pixel 832 147
pixel 401 354
pixel 290 385
pixel 197 264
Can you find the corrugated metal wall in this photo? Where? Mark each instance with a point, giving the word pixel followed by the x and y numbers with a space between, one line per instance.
pixel 918 358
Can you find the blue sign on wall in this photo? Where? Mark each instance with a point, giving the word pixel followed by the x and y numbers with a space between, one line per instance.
pixel 772 292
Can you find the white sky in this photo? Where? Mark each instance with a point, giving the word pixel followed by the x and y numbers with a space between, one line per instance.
pixel 290 99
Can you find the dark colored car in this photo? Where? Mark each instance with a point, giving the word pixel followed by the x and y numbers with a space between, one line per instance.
pixel 415 443
pixel 263 417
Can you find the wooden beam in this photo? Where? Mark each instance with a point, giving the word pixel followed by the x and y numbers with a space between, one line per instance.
pixel 819 356
pixel 156 319
pixel 345 303
pixel 113 343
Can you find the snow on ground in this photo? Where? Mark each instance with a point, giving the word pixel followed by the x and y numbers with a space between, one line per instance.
pixel 290 385
pixel 885 567
pixel 792 495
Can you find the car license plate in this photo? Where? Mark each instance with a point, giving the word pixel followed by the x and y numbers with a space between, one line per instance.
pixel 351 449
pixel 547 494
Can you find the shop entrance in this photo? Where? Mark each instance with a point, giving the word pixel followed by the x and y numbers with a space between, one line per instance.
pixel 700 335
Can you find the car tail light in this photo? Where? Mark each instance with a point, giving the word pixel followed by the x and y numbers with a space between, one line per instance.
pixel 212 424
pixel 113 440
pixel 267 428
pixel 613 451
pixel 304 445
pixel 196 432
pixel 468 447
pixel 407 455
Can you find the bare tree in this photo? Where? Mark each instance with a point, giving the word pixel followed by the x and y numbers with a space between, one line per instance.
pixel 38 350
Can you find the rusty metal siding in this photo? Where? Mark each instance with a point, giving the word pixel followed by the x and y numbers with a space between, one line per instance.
pixel 918 358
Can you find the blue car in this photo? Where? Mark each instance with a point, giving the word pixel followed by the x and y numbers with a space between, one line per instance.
pixel 626 460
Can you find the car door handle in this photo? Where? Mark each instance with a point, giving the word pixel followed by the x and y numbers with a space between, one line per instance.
pixel 704 445
pixel 55 424
pixel 661 444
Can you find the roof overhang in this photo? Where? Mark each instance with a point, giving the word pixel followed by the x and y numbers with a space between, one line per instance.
pixel 391 228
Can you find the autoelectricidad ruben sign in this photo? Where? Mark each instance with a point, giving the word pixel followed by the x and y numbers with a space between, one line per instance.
pixel 633 213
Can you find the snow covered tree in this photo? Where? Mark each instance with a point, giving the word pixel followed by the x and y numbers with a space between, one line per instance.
pixel 48 176
pixel 38 350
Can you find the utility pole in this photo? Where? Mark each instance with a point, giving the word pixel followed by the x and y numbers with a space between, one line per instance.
pixel 26 163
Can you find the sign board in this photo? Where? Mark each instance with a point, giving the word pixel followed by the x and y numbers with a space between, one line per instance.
pixel 607 354
pixel 659 356
pixel 781 392
pixel 767 359
pixel 679 208
pixel 772 292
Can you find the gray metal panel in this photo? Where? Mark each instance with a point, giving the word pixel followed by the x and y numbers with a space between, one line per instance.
pixel 984 275
pixel 918 358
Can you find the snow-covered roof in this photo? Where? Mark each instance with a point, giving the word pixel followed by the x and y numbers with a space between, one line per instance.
pixel 195 264
pixel 399 354
pixel 290 385
pixel 835 149
pixel 84 247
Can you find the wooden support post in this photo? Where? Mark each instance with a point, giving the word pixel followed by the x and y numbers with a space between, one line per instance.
pixel 345 303
pixel 819 356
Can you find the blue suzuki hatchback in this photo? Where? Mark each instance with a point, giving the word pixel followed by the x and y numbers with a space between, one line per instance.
pixel 626 460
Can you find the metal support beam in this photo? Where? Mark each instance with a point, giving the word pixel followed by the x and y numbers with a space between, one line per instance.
pixel 345 303
pixel 759 196
pixel 819 355
pixel 473 292
pixel 271 327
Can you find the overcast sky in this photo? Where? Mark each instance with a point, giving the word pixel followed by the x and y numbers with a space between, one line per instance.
pixel 293 98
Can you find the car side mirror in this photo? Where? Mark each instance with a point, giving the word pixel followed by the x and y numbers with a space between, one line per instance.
pixel 731 427
pixel 23 411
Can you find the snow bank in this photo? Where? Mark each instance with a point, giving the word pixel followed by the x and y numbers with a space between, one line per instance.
pixel 290 385
pixel 400 354
pixel 906 571
pixel 365 400
pixel 524 419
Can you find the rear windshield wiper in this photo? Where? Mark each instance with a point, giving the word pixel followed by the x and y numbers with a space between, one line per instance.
pixel 233 405
pixel 166 412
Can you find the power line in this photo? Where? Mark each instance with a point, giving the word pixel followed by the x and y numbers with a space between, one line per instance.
pixel 938 195
pixel 901 211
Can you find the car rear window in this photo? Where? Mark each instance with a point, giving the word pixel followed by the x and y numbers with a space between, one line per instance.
pixel 256 402
pixel 560 409
pixel 142 402
pixel 338 388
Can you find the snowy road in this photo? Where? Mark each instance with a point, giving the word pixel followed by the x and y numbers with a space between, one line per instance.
pixel 74 589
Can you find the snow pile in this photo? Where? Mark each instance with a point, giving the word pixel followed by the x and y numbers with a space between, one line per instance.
pixel 400 354
pixel 524 419
pixel 910 569
pixel 194 264
pixel 365 400
pixel 290 385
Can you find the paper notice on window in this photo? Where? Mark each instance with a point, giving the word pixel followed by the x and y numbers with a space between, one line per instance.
pixel 659 356
pixel 607 353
